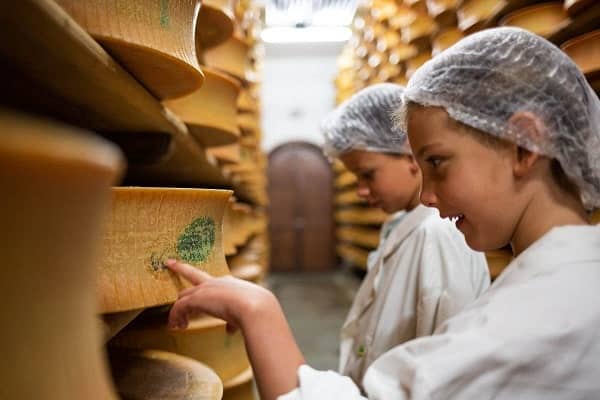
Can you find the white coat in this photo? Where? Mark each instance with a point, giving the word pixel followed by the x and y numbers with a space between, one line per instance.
pixel 535 334
pixel 422 273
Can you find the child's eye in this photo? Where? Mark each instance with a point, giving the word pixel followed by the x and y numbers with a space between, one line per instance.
pixel 434 161
pixel 367 175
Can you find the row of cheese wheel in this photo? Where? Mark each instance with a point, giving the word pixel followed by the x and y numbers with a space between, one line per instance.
pixel 392 39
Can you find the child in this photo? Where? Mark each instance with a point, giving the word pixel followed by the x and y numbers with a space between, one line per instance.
pixel 422 272
pixel 507 133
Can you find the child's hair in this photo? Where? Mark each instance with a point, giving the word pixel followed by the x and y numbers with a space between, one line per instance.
pixel 364 122
pixel 488 77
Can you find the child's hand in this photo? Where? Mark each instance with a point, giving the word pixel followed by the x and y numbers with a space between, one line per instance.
pixel 228 298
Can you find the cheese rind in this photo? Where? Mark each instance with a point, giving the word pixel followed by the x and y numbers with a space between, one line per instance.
pixel 145 227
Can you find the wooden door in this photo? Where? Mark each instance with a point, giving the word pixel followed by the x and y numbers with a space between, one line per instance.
pixel 301 209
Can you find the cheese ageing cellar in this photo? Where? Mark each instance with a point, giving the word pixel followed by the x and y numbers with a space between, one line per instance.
pixel 136 132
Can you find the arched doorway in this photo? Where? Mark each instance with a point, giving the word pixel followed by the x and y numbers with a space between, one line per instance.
pixel 301 209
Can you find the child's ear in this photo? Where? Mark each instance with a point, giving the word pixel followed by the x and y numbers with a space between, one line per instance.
pixel 525 123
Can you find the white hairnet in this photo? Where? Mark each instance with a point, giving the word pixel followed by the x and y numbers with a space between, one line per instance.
pixel 364 122
pixel 485 78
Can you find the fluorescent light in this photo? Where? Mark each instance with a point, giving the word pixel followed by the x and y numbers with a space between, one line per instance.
pixel 306 35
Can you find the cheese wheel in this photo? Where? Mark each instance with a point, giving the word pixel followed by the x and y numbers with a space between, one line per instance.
pixel 152 40
pixel 443 11
pixel 145 227
pixel 338 166
pixel 205 340
pixel 352 254
pixel 585 52
pixel 473 14
pixel 345 179
pixel 56 190
pixel 348 197
pixel 366 237
pixel 542 19
pixel 242 387
pixel 159 375
pixel 215 23
pixel 210 112
pixel 415 63
pixel 230 56
pixel 247 101
pixel 418 31
pixel 237 226
pixel 361 216
pixel 226 154
pixel 402 52
pixel 497 260
pixel 445 39
pixel 249 122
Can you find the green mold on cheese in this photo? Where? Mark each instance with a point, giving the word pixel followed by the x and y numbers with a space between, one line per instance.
pixel 197 240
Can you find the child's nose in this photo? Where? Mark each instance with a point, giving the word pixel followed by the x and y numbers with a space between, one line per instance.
pixel 428 197
pixel 362 191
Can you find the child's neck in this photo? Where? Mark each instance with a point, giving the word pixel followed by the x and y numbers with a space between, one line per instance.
pixel 542 213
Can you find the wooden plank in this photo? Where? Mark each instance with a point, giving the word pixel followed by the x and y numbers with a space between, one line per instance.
pixel 113 323
pixel 205 340
pixel 56 184
pixel 160 375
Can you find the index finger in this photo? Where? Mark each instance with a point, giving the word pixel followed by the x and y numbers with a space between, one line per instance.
pixel 191 274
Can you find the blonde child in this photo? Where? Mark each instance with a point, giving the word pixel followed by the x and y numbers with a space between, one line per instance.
pixel 422 272
pixel 506 131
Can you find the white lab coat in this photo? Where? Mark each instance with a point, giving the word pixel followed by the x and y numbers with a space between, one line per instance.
pixel 422 273
pixel 535 334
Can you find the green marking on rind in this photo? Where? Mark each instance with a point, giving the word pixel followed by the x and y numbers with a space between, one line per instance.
pixel 197 240
pixel 165 19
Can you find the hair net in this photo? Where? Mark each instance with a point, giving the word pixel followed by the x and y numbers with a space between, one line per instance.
pixel 485 78
pixel 364 122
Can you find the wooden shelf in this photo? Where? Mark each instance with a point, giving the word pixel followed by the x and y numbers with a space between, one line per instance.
pixel 53 67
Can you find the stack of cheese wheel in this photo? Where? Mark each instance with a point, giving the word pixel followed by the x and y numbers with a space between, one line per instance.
pixel 357 224
pixel 543 19
pixel 205 339
pixel 159 375
pixel 237 226
pixel 246 264
pixel 56 184
pixel 210 111
pixel 147 226
pixel 152 40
